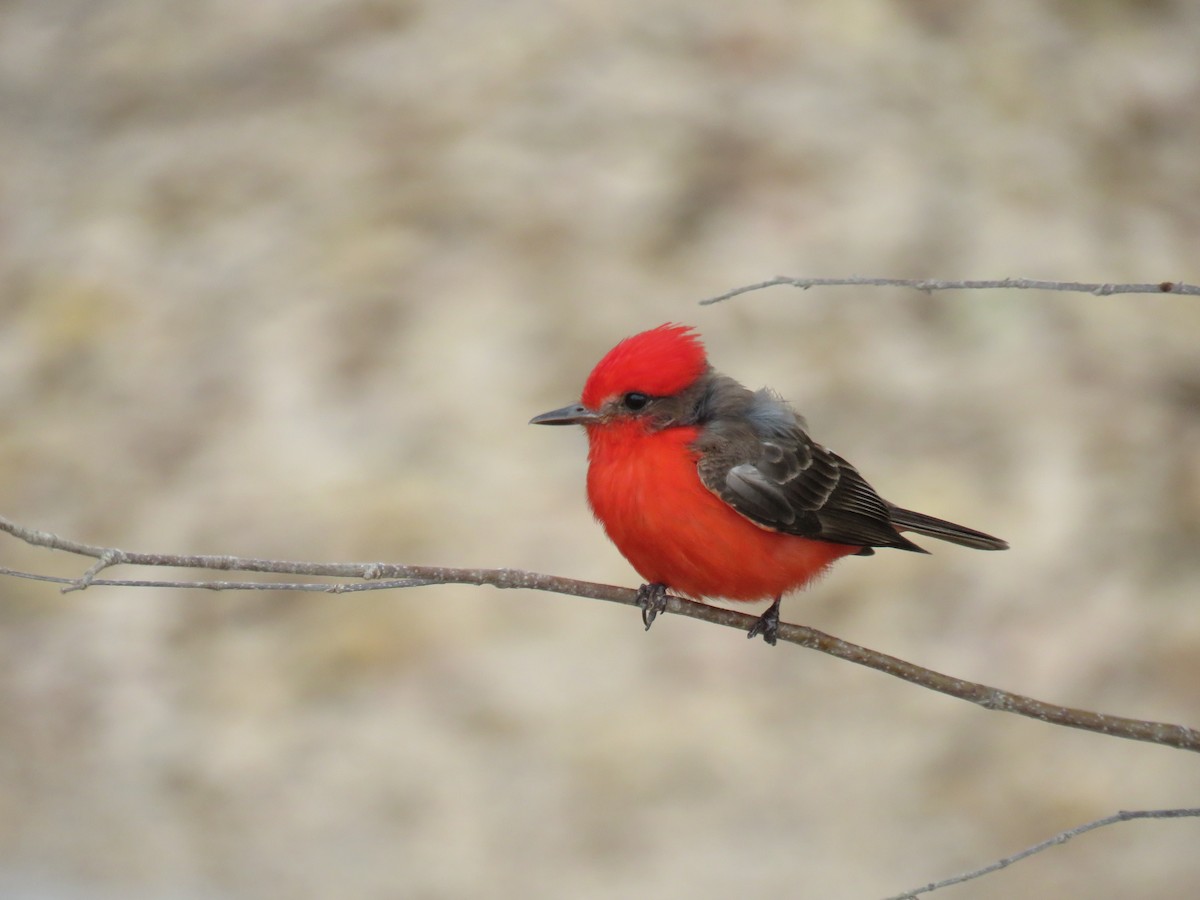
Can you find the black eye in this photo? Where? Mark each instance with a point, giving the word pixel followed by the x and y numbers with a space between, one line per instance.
pixel 635 401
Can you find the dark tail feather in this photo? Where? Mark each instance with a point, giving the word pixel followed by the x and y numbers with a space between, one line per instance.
pixel 945 531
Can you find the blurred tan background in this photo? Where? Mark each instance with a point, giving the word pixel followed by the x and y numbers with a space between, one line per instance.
pixel 289 278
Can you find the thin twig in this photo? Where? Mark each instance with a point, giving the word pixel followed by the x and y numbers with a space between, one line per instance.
pixel 388 575
pixel 338 587
pixel 1061 838
pixel 929 285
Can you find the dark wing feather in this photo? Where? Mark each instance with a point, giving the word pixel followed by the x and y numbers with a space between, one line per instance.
pixel 764 465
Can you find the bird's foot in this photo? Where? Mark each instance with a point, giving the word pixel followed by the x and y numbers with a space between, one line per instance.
pixel 767 624
pixel 651 599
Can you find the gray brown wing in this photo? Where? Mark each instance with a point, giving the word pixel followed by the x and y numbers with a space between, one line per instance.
pixel 788 482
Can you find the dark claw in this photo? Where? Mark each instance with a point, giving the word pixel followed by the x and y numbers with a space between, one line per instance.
pixel 652 598
pixel 767 624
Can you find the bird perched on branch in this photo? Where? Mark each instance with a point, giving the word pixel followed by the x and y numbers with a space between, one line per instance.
pixel 710 489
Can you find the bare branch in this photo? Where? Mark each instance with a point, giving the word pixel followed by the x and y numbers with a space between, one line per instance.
pixel 1061 838
pixel 72 584
pixel 379 576
pixel 928 286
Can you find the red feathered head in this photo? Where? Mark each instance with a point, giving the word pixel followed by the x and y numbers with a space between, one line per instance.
pixel 659 362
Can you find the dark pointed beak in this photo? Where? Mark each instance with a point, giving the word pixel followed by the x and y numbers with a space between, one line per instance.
pixel 575 414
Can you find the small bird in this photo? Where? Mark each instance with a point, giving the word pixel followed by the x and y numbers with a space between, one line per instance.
pixel 710 489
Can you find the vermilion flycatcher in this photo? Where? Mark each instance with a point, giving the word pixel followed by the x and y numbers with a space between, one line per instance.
pixel 713 490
